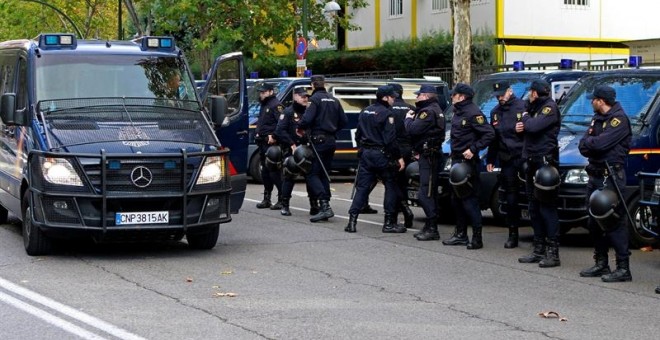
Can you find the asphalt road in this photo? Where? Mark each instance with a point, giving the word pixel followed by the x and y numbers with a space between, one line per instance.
pixel 275 277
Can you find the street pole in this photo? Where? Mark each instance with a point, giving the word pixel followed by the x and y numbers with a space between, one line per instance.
pixel 120 29
pixel 305 13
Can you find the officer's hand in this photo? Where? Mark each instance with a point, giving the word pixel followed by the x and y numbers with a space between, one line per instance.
pixel 467 154
pixel 300 132
pixel 293 148
pixel 271 140
pixel 489 167
pixel 402 164
pixel 520 127
pixel 410 114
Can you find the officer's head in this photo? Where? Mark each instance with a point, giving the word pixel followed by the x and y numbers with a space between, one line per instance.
pixel 386 94
pixel 502 91
pixel 301 96
pixel 426 92
pixel 318 81
pixel 397 88
pixel 602 98
pixel 265 90
pixel 461 92
pixel 539 88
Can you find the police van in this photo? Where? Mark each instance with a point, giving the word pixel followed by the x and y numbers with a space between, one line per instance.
pixel 637 89
pixel 110 139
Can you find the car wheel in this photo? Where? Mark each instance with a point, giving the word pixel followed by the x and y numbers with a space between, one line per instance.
pixel 204 240
pixel 638 236
pixel 35 242
pixel 255 168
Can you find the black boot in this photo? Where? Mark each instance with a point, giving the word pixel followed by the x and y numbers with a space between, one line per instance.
pixel 266 202
pixel 367 209
pixel 512 241
pixel 313 206
pixel 551 255
pixel 391 225
pixel 278 205
pixel 620 274
pixel 285 207
pixel 325 212
pixel 538 252
pixel 407 214
pixel 423 230
pixel 352 222
pixel 657 290
pixel 599 269
pixel 429 232
pixel 458 238
pixel 476 242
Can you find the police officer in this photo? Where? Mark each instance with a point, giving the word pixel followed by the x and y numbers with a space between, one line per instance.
pixel 322 119
pixel 507 149
pixel 269 112
pixel 426 128
pixel 607 142
pixel 289 140
pixel 399 109
pixel 379 157
pixel 470 133
pixel 540 127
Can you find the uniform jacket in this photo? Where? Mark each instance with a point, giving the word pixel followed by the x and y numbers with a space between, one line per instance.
pixel 542 124
pixel 324 115
pixel 288 123
pixel 608 138
pixel 269 113
pixel 376 128
pixel 469 129
pixel 503 118
pixel 428 124
pixel 400 108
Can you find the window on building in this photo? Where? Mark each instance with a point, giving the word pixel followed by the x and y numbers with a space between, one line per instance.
pixel 576 3
pixel 440 5
pixel 396 8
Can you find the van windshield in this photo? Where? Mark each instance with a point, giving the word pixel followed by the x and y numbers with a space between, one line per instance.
pixel 66 76
pixel 635 93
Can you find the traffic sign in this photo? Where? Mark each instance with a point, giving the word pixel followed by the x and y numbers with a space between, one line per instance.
pixel 301 48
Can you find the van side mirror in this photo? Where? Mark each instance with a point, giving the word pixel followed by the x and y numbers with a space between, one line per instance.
pixel 8 108
pixel 218 109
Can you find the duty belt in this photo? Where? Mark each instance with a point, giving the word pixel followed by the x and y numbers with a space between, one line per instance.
pixel 601 171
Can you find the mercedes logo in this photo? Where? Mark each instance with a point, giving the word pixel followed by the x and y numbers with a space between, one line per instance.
pixel 141 176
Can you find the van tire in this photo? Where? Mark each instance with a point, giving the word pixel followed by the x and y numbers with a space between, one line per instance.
pixel 34 240
pixel 638 237
pixel 204 240
pixel 255 168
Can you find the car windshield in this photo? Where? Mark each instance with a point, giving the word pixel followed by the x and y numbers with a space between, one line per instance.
pixel 66 76
pixel 635 93
pixel 483 90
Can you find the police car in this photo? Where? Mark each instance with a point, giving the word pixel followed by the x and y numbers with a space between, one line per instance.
pixel 110 139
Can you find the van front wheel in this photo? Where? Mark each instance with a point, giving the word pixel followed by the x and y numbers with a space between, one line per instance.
pixel 638 236
pixel 34 240
pixel 204 240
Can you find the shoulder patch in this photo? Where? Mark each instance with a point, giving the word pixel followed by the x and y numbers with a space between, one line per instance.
pixel 423 115
pixel 280 108
pixel 519 115
pixel 391 120
pixel 463 122
pixel 281 116
pixel 615 122
pixel 480 119
pixel 546 110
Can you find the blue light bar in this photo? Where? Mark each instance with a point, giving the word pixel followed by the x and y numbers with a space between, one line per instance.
pixel 518 65
pixel 566 64
pixel 635 61
pixel 157 43
pixel 51 41
pixel 284 73
pixel 307 73
pixel 254 75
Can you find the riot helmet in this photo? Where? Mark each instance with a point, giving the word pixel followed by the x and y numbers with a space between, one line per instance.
pixel 274 157
pixel 602 205
pixel 303 156
pixel 459 178
pixel 546 182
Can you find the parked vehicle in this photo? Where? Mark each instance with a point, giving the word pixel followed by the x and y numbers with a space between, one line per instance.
pixel 109 139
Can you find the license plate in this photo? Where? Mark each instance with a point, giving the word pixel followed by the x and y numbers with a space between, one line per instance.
pixel 524 213
pixel 144 217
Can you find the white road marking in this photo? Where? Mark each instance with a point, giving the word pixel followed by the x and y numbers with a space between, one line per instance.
pixel 68 311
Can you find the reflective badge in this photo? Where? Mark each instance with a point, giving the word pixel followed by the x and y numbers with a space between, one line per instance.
pixel 604 124
pixel 281 116
pixel 480 119
pixel 391 120
pixel 546 110
pixel 280 108
pixel 495 116
pixel 463 122
pixel 615 122
pixel 423 115
pixel 592 122
pixel 519 115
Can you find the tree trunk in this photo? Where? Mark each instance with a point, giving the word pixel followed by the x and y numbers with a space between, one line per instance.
pixel 462 40
pixel 130 7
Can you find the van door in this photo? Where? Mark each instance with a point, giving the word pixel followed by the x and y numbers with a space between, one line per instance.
pixel 227 79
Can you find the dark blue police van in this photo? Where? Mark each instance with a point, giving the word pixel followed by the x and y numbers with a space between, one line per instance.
pixel 110 139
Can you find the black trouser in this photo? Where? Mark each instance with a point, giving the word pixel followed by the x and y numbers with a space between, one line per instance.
pixel 317 179
pixel 428 184
pixel 374 164
pixel 290 180
pixel 510 181
pixel 270 177
pixel 468 207
pixel 618 236
pixel 543 215
pixel 401 179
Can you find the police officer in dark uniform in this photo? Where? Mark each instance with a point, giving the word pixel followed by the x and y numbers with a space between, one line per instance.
pixel 607 142
pixel 470 133
pixel 399 109
pixel 507 149
pixel 540 126
pixel 426 128
pixel 289 140
pixel 322 119
pixel 379 158
pixel 269 112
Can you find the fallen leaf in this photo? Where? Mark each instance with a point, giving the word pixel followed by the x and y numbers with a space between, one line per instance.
pixel 228 272
pixel 189 279
pixel 219 294
pixel 649 248
pixel 552 315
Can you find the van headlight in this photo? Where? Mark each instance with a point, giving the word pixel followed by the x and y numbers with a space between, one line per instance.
pixel 213 170
pixel 576 176
pixel 60 171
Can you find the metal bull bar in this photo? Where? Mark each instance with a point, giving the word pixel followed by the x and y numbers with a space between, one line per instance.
pixel 643 211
